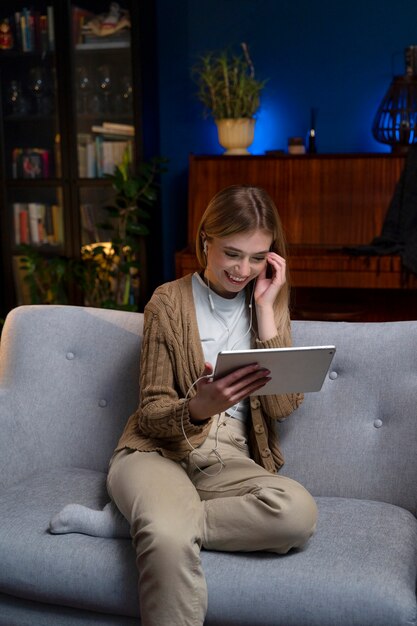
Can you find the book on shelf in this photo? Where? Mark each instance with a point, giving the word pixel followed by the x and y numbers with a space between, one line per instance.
pixel 57 224
pixel 92 218
pixel 30 163
pixel 90 232
pixel 112 155
pixel 90 41
pixel 37 229
pixel 38 224
pixel 87 167
pixel 99 155
pixel 33 31
pixel 57 155
pixel 119 36
pixel 21 223
pixel 79 17
pixel 129 128
pixel 112 128
pixel 98 141
pixel 51 30
pixel 44 38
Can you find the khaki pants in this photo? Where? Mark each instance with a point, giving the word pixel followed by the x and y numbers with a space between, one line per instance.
pixel 218 499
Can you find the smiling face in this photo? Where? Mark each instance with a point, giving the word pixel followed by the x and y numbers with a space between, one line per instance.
pixel 233 261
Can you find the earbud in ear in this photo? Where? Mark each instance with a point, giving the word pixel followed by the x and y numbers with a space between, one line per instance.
pixel 205 247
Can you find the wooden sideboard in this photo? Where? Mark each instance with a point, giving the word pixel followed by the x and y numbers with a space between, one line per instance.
pixel 326 203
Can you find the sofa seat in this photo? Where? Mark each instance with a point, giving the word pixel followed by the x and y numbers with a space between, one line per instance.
pixel 358 569
pixel 73 570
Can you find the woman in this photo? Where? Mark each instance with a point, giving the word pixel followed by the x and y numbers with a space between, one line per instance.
pixel 196 465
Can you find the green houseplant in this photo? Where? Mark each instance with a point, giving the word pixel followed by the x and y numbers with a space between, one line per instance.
pixel 109 273
pixel 45 278
pixel 230 93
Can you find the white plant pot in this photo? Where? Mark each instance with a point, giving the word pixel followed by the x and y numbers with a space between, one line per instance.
pixel 236 135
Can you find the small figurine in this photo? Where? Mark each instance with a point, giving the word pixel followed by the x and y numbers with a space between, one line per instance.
pixel 108 23
pixel 6 36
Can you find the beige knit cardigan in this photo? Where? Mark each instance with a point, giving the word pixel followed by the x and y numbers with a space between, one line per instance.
pixel 171 361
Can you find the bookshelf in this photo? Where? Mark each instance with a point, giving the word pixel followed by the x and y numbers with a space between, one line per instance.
pixel 72 104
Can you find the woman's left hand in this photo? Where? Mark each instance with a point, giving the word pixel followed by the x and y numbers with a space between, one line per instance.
pixel 267 289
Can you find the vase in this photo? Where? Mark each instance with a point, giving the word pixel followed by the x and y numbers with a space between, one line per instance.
pixel 236 135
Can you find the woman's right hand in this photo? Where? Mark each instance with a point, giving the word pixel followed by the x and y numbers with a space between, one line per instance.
pixel 216 396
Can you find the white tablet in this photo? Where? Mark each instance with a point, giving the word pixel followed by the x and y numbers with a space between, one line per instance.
pixel 295 369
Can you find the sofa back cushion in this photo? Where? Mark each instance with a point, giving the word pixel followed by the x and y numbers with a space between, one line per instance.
pixel 69 379
pixel 357 437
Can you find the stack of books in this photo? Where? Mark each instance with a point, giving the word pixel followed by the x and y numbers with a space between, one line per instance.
pixel 100 152
pixel 38 224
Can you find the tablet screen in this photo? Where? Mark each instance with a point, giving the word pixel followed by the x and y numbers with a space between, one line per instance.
pixel 295 369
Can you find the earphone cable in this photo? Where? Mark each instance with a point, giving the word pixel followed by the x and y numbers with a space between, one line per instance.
pixel 195 450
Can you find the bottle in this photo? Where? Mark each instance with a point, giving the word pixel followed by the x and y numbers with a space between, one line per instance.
pixel 311 139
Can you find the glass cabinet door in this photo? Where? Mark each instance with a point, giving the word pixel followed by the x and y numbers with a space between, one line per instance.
pixel 103 86
pixel 28 83
pixel 105 137
pixel 31 142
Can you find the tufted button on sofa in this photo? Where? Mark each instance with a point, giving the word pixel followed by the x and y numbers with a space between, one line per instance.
pixel 68 382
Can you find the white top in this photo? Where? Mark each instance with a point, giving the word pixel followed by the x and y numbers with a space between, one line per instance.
pixel 223 324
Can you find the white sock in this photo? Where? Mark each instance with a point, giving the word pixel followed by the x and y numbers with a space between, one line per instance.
pixel 76 518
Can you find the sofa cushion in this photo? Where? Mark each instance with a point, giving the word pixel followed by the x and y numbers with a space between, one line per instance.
pixel 68 382
pixel 18 612
pixel 358 569
pixel 71 570
pixel 357 437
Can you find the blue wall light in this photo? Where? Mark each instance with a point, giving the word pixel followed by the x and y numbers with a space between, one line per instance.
pixel 266 129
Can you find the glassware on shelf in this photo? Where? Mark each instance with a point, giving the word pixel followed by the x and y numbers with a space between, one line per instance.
pixel 123 99
pixel 84 90
pixel 38 88
pixel 105 83
pixel 17 103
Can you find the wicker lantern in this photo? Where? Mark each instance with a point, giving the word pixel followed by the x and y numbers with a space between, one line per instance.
pixel 395 123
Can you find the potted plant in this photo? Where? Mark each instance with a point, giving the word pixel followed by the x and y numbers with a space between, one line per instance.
pixel 230 93
pixel 109 271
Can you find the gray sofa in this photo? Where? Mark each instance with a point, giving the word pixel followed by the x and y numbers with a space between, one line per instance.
pixel 68 381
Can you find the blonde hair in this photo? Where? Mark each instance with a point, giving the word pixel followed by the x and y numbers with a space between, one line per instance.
pixel 244 208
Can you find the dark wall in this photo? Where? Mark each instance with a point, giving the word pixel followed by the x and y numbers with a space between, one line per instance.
pixel 333 55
